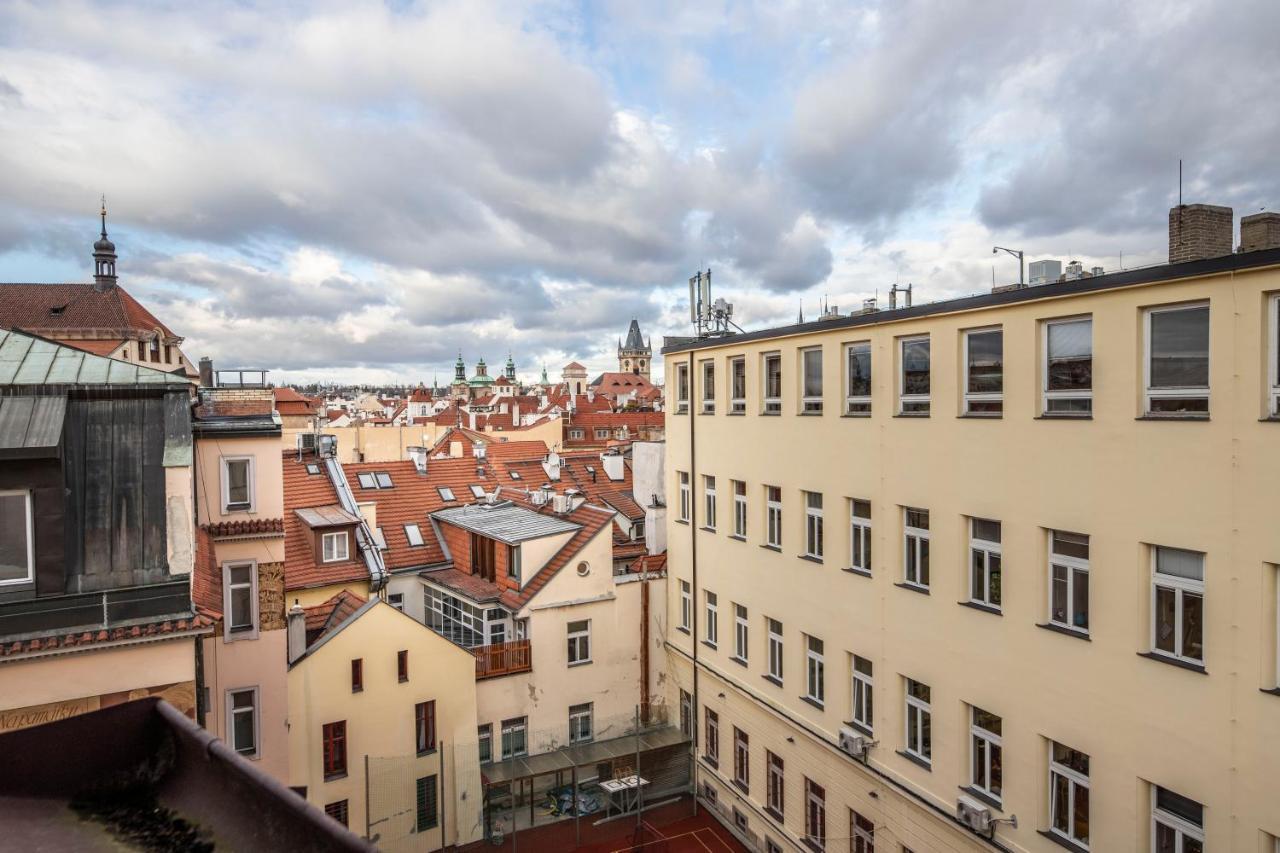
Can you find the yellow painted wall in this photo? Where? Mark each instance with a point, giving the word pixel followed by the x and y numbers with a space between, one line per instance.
pixel 1211 486
pixel 268 493
pixel 58 678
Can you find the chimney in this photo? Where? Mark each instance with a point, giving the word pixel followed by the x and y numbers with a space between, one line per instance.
pixel 297 638
pixel 206 372
pixel 1260 231
pixel 515 414
pixel 419 457
pixel 614 466
pixel 471 420
pixel 1199 231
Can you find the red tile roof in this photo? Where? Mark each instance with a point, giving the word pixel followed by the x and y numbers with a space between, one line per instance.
pixel 206 579
pixel 82 639
pixel 649 563
pixel 246 527
pixel 231 408
pixel 290 402
pixel 303 490
pixel 52 309
pixel 324 618
pixel 97 347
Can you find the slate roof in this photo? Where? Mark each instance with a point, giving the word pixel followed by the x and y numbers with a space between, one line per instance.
pixel 634 341
pixel 510 522
pixel 31 426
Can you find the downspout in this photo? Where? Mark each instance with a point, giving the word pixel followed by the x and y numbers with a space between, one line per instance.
pixel 644 643
pixel 200 703
pixel 364 536
pixel 693 558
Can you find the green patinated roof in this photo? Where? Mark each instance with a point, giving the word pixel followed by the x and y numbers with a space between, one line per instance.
pixel 25 360
pixel 480 380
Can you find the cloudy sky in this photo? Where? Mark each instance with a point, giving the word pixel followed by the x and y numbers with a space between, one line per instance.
pixel 356 191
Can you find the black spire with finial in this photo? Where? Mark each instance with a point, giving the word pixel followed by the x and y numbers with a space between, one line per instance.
pixel 104 256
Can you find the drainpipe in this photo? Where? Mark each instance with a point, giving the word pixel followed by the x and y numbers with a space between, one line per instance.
pixel 644 644
pixel 364 535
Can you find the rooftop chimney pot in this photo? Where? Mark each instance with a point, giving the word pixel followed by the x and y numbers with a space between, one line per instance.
pixel 1199 231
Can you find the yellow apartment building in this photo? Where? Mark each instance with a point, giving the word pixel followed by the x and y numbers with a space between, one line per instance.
pixel 847 494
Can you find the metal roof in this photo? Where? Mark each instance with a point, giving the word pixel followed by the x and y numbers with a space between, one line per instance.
pixel 331 515
pixel 27 360
pixel 506 522
pixel 31 427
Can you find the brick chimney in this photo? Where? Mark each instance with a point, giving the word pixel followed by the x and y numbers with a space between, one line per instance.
pixel 1260 231
pixel 1199 231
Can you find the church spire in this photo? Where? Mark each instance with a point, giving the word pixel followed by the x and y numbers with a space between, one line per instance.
pixel 104 256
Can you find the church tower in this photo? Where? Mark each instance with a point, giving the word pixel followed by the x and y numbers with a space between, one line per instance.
pixel 104 257
pixel 635 355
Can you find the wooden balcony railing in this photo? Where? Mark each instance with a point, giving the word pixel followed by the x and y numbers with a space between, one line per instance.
pixel 502 658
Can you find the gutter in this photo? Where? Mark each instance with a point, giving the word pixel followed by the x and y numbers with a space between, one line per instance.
pixel 364 536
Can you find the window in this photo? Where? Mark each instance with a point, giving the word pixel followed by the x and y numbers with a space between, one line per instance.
pixel 514 562
pixel 739 509
pixel 860 536
pixel 1069 793
pixel 984 562
pixel 454 618
pixel 919 721
pixel 446 494
pixel 366 481
pixel 771 846
pixel 708 387
pixel 338 811
pixel 396 600
pixel 242 721
pixel 514 741
pixel 709 493
pixel 357 675
pixel 775 791
pixel 1177 604
pixel 740 632
pixel 712 726
pixel 17 538
pixel 402 664
pixel 741 759
pixel 813 525
pixel 916 547
pixel 637 530
pixel 713 612
pixel 477 491
pixel 602 433
pixel 1177 823
pixel 863 695
pixel 740 820
pixel 379 538
pixel 686 713
pixel 579 642
pixel 1273 360
pixel 772 374
pixel 424 726
pixel 577 433
pixel 987 753
pixel 333 547
pixel 426 803
pixel 815 671
pixel 414 534
pixel 240 594
pixel 155 349
pixel 738 385
pixel 685 502
pixel 237 484
pixel 1069 580
pixel 1068 367
pixel 984 372
pixel 686 606
pixel 811 392
pixel 580 723
pixel 913 381
pixel 484 737
pixel 682 389
pixel 334 740
pixel 1178 360
pixel 775 649
pixel 815 815
pixel 384 479
pixel 862 834
pixel 313 468
pixel 857 383
pixel 773 516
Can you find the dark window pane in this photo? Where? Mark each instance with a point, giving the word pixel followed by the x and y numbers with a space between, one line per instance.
pixel 986 362
pixel 1192 625
pixel 1166 602
pixel 915 367
pixel 1180 348
pixel 1082 815
pixel 860 371
pixel 1176 804
pixel 1070 366
pixel 1080 599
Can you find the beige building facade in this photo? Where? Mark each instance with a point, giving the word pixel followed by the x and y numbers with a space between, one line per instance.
pixel 1008 555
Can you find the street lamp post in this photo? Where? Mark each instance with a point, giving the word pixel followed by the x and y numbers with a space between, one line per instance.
pixel 1017 253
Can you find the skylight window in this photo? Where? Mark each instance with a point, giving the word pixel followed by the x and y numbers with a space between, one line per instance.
pixel 367 481
pixel 313 468
pixel 384 480
pixel 477 491
pixel 375 480
pixel 515 475
pixel 414 534
pixel 446 493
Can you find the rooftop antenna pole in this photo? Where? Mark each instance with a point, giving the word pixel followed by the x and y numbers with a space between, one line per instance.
pixel 1179 182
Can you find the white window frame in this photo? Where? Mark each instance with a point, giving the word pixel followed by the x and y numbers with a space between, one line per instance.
pixel 912 539
pixel 737 370
pixel 413 533
pixel 682 389
pixel 741 651
pixel 856 405
pixel 1273 364
pixel 708 389
pixel 1075 780
pixel 1185 829
pixel 1073 566
pixel 984 550
pixel 813 526
pixel 971 397
pixel 815 669
pixel 905 399
pixel 251 630
pixel 29 527
pixel 739 509
pixel 923 710
pixel 712 631
pixel 1181 587
pixel 1047 396
pixel 227 507
pixel 862 700
pixel 861 840
pixel 577 714
pixel 578 651
pixel 859 537
pixel 686 605
pixel 771 403
pixel 1189 393
pixel 229 703
pixel 777 648
pixel 810 404
pixel 994 745
pixel 683 487
pixel 342 536
pixel 709 501
pixel 773 517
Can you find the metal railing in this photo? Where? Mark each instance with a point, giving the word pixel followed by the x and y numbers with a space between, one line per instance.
pixel 503 658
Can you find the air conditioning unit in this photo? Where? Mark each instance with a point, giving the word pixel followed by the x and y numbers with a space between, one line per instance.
pixel 327 446
pixel 854 744
pixel 974 816
pixel 307 442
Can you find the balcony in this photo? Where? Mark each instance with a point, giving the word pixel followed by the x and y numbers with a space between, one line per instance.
pixel 502 659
